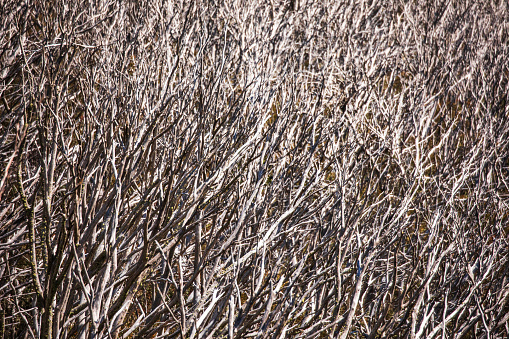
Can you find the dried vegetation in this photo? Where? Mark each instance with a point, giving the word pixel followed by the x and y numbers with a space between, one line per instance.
pixel 266 169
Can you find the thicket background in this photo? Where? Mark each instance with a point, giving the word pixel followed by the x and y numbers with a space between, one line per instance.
pixel 266 169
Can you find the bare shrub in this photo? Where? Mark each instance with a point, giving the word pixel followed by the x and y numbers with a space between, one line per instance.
pixel 290 169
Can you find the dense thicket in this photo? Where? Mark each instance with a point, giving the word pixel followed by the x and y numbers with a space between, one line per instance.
pixel 267 169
